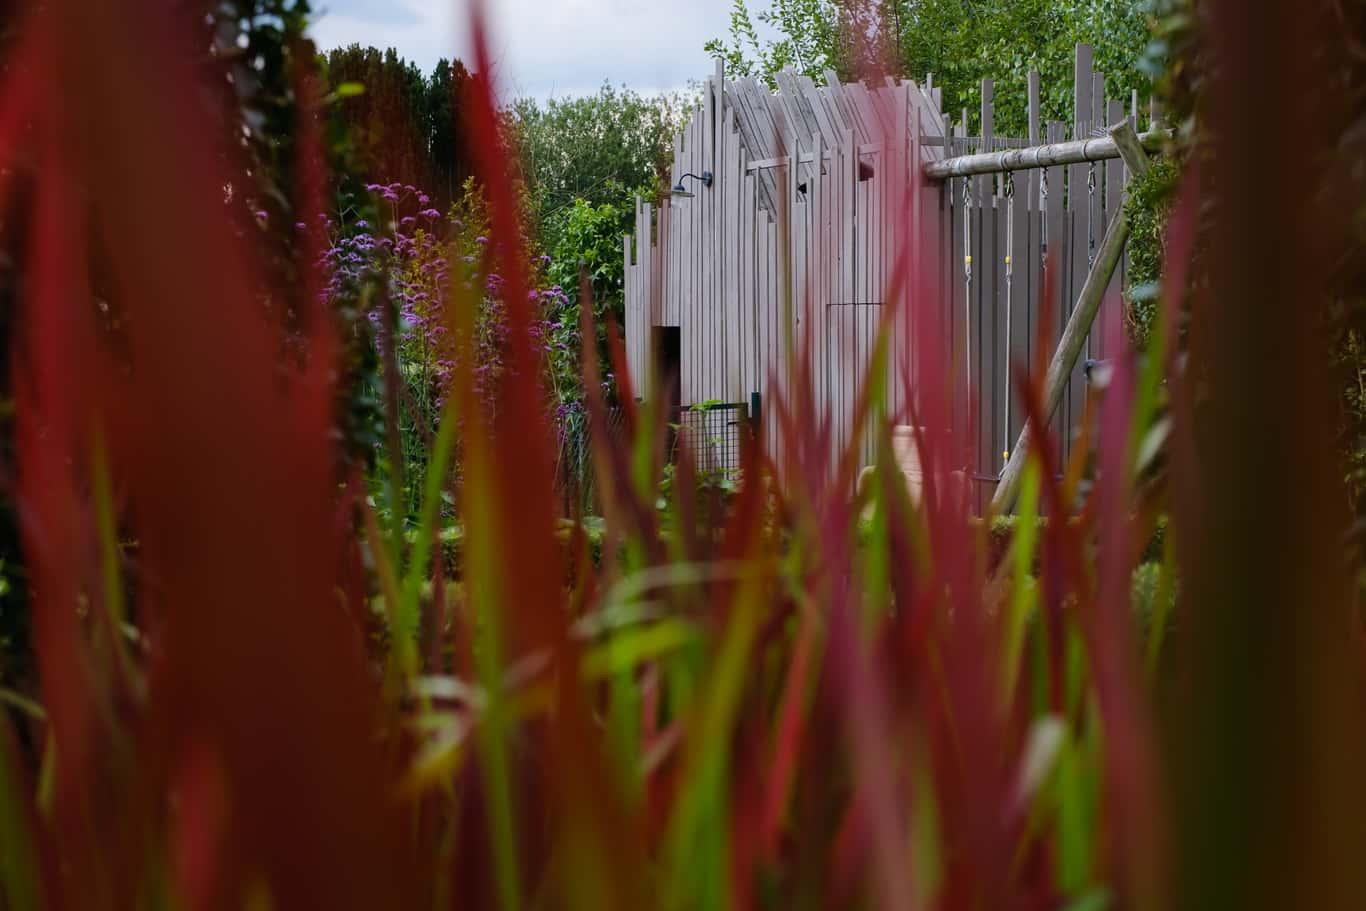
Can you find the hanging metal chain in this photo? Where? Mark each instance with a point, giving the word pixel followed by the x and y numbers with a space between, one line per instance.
pixel 967 280
pixel 1010 307
pixel 1043 207
pixel 967 234
pixel 1090 226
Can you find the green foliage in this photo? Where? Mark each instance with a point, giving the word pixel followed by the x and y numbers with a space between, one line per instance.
pixel 1175 62
pixel 583 161
pixel 588 236
pixel 601 148
pixel 257 55
pixel 403 125
pixel 961 42
pixel 1147 593
pixel 1002 531
pixel 1147 206
pixel 588 243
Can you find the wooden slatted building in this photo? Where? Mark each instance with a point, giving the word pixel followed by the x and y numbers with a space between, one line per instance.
pixel 800 206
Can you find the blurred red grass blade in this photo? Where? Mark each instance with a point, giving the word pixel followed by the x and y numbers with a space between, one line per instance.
pixel 596 829
pixel 869 729
pixel 52 423
pixel 1272 681
pixel 1131 764
pixel 789 732
pixel 1183 478
pixel 229 489
pixel 624 508
pixel 520 439
pixel 310 208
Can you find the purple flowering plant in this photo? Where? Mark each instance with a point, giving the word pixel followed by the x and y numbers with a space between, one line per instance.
pixel 417 255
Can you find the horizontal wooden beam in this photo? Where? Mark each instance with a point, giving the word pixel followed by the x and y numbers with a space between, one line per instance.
pixel 1080 151
pixel 868 148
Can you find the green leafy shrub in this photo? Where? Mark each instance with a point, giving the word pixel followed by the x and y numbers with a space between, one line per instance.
pixel 1147 207
pixel 1002 529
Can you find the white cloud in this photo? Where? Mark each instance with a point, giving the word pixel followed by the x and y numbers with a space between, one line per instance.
pixel 543 47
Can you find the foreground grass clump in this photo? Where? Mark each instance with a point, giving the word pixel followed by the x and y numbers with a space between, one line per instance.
pixel 790 696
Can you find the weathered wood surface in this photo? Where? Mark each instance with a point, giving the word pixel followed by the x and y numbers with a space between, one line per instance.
pixel 1080 151
pixel 786 257
pixel 1079 324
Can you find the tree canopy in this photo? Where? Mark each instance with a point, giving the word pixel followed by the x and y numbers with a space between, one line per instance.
pixel 961 42
pixel 405 126
pixel 601 148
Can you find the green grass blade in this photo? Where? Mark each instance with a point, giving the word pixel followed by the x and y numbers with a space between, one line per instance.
pixel 1023 592
pixel 20 881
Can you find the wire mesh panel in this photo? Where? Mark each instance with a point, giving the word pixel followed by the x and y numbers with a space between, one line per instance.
pixel 574 477
pixel 712 435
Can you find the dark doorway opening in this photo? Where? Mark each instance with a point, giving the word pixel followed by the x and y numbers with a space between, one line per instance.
pixel 668 343
pixel 668 358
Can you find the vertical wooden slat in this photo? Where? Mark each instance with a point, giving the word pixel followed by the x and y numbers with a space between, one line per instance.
pixel 745 300
pixel 984 363
pixel 687 323
pixel 1082 76
pixel 645 292
pixel 958 358
pixel 734 243
pixel 791 311
pixel 860 189
pixel 696 265
pixel 1078 206
pixel 670 264
pixel 1112 310
pixel 1022 280
pixel 704 339
pixel 1055 260
pixel 982 185
pixel 709 339
pixel 777 261
pixel 634 298
pixel 817 283
pixel 712 338
pixel 763 255
pixel 1029 265
pixel 848 180
pixel 684 268
pixel 912 239
pixel 1002 323
pixel 632 319
pixel 852 237
pixel 985 282
pixel 1095 208
pixel 729 257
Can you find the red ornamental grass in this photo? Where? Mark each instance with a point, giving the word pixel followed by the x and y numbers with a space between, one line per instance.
pixel 801 696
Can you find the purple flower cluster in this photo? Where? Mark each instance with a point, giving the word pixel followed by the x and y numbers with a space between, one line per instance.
pixel 421 258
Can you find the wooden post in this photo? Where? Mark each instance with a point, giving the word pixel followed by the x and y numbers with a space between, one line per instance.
pixel 1079 324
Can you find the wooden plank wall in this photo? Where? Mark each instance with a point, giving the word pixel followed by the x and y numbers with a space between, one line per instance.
pixel 788 254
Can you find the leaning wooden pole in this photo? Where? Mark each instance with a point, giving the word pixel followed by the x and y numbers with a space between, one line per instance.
pixel 1079 324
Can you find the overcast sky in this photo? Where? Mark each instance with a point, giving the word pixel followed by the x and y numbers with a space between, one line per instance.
pixel 543 47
